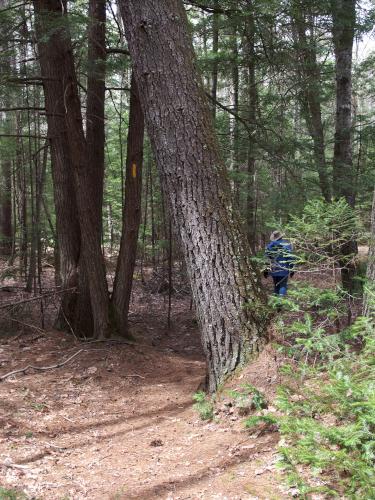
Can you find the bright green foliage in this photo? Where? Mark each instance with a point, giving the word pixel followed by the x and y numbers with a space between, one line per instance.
pixel 326 407
pixel 329 422
pixel 249 397
pixel 258 419
pixel 321 231
pixel 203 405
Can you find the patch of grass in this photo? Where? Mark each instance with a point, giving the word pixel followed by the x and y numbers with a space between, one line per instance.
pixel 256 420
pixel 203 405
pixel 11 494
pixel 38 406
pixel 248 397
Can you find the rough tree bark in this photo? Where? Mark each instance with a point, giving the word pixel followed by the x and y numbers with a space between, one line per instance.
pixel 94 269
pixel 226 289
pixel 343 16
pixel 85 194
pixel 95 134
pixel 95 137
pixel 51 54
pixel 131 215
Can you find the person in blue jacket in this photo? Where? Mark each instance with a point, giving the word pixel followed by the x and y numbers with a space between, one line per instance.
pixel 280 253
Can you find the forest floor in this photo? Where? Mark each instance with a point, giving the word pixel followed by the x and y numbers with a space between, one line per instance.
pixel 117 421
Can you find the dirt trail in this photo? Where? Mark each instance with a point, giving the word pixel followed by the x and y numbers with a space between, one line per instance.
pixel 117 421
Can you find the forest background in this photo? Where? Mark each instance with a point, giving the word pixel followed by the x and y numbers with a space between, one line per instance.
pixel 290 90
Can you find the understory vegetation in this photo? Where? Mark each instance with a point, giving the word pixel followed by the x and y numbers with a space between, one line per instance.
pixel 214 151
pixel 327 406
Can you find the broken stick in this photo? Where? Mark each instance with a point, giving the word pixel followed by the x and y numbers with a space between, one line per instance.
pixel 40 368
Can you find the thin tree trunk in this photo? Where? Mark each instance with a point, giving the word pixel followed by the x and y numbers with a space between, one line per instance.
pixel 226 289
pixel 252 107
pixel 145 220
pixel 343 14
pixel 170 274
pixel 153 237
pixel 22 202
pixel 132 214
pixel 31 276
pixel 236 131
pixel 95 100
pixel 343 34
pixel 310 97
pixel 369 296
pixel 215 50
pixel 6 207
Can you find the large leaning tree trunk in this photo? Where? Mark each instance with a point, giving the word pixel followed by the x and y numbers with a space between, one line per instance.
pixel 226 289
pixel 131 214
pixel 93 263
pixel 343 17
pixel 51 49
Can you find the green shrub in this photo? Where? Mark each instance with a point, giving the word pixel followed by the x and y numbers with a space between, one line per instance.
pixel 11 494
pixel 203 405
pixel 328 422
pixel 248 396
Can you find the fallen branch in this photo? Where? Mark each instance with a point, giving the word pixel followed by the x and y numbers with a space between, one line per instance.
pixel 38 297
pixel 40 368
pixel 8 463
pixel 33 327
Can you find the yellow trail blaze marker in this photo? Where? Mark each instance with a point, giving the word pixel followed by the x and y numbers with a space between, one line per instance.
pixel 134 170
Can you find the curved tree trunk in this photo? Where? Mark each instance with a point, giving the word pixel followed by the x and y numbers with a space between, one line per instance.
pixel 131 216
pixel 226 289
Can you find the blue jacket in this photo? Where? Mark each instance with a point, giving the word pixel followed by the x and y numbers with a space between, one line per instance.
pixel 280 253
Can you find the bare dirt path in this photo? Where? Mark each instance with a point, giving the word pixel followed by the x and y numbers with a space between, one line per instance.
pixel 117 421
